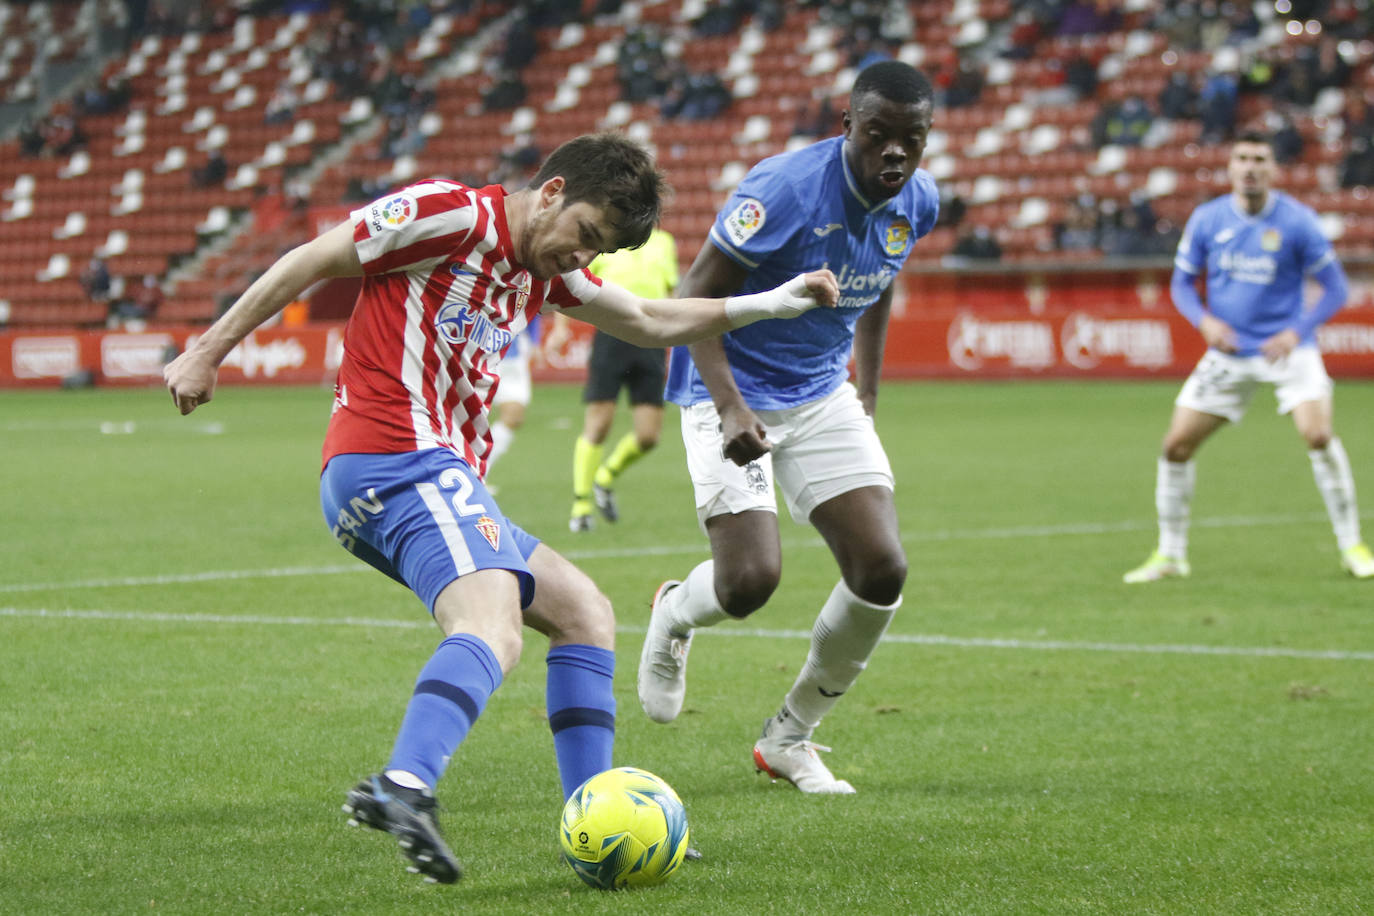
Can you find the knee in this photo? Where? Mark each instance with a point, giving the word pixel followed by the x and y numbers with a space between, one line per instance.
pixel 1178 452
pixel 1317 439
pixel 880 579
pixel 593 625
pixel 506 646
pixel 743 590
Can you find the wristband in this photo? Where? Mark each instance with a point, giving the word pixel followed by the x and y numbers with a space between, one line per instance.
pixel 786 301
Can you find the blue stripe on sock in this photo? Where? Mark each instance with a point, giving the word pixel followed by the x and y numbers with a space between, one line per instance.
pixel 455 695
pixel 581 710
pixel 579 715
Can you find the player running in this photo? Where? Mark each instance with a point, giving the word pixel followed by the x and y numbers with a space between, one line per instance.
pixel 776 399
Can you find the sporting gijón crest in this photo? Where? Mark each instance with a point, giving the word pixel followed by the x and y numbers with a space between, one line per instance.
pixel 490 530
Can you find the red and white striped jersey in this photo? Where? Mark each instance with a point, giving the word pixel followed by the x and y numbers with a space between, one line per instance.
pixel 442 298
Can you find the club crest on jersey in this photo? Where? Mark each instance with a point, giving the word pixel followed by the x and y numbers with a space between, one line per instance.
pixel 458 322
pixel 392 213
pixel 745 220
pixel 898 236
pixel 490 530
pixel 1271 240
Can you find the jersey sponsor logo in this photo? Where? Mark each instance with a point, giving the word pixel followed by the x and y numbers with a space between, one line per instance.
pixel 860 290
pixel 392 213
pixel 1248 268
pixel 745 220
pixel 490 530
pixel 1271 240
pixel 823 231
pixel 898 237
pixel 458 322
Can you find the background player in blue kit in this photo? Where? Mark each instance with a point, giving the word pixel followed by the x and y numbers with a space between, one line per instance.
pixel 776 399
pixel 1257 247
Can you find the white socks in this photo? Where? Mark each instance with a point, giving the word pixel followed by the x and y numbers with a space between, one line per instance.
pixel 1174 482
pixel 1331 468
pixel 501 438
pixel 693 603
pixel 844 636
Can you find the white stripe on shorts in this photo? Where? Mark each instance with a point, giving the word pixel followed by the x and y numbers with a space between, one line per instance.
pixel 453 536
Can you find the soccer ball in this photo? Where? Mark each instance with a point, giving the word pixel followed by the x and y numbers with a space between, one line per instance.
pixel 623 828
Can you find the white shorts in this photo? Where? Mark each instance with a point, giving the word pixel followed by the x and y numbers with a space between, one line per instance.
pixel 1222 385
pixel 820 450
pixel 515 379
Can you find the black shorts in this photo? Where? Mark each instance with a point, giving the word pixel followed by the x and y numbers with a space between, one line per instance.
pixel 614 364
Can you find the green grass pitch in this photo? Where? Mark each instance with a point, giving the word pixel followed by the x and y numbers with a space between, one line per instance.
pixel 193 673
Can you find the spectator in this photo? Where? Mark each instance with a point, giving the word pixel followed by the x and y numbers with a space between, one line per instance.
pixel 1128 124
pixel 1178 99
pixel 506 93
pixel 1217 102
pixel 212 173
pixel 818 123
pixel 1358 168
pixel 1089 17
pixel 1078 231
pixel 977 244
pixel 281 107
pixel 95 280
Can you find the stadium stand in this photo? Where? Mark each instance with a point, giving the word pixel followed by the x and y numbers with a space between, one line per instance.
pixel 1052 133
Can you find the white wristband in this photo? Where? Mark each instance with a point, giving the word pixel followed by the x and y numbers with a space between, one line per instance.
pixel 786 301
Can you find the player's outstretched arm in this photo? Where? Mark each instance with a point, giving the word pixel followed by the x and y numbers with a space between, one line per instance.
pixel 669 322
pixel 191 376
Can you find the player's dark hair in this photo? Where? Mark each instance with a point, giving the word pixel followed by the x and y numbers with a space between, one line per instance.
pixel 1254 136
pixel 894 81
pixel 610 171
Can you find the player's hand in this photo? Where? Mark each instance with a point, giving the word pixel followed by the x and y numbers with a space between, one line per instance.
pixel 1218 334
pixel 743 436
pixel 1280 345
pixel 821 286
pixel 191 381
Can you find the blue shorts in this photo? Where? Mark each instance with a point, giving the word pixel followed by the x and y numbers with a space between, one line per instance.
pixel 423 518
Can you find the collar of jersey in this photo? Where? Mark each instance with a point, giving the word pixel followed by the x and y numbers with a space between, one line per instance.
pixel 853 187
pixel 1270 203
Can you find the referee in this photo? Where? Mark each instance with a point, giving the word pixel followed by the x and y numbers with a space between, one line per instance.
pixel 649 271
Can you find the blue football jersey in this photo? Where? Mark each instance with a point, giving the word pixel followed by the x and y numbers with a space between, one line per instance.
pixel 1255 265
pixel 793 213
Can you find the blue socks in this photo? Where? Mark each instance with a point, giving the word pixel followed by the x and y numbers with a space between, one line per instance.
pixel 450 693
pixel 453 688
pixel 581 707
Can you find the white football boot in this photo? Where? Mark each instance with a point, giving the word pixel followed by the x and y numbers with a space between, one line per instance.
pixel 782 753
pixel 663 664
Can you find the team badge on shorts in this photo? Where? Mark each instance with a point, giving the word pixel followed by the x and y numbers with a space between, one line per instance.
pixel 898 236
pixel 754 477
pixel 745 220
pixel 1271 240
pixel 490 530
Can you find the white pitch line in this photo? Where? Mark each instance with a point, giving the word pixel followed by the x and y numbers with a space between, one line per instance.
pixel 729 632
pixel 612 553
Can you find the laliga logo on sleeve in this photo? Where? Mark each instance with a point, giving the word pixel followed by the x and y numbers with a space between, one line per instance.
pixel 746 220
pixel 394 212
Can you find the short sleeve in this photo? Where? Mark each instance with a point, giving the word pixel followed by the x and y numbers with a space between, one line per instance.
pixel 418 227
pixel 758 219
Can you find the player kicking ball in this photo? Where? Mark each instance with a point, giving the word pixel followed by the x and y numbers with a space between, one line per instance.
pixel 450 275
